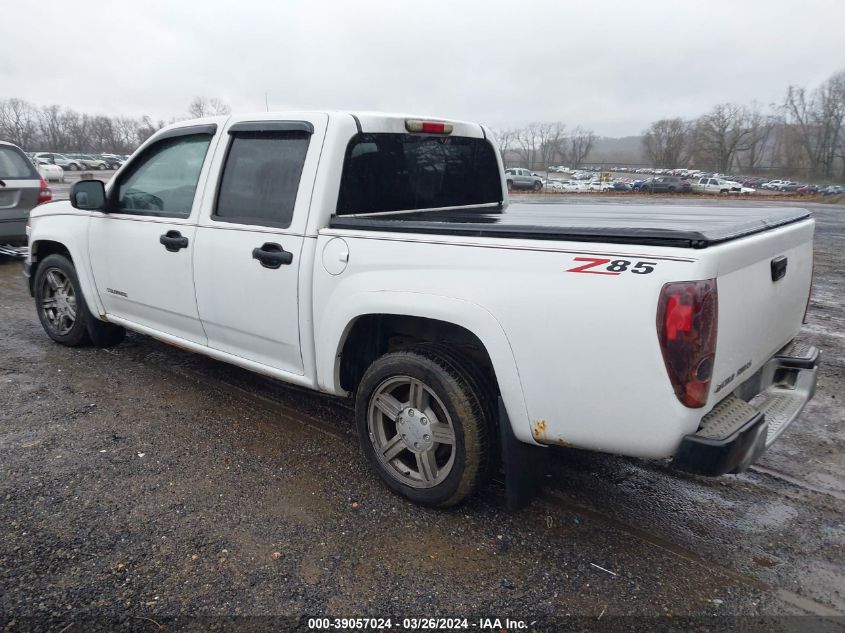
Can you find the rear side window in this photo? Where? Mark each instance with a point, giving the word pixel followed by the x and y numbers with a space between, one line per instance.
pixel 14 165
pixel 403 172
pixel 261 177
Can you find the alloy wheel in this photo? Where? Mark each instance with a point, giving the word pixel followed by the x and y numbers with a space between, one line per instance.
pixel 411 431
pixel 58 301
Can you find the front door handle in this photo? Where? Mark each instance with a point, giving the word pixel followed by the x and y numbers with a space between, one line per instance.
pixel 173 241
pixel 272 255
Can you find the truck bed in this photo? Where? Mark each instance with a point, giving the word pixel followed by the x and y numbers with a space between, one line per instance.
pixel 679 226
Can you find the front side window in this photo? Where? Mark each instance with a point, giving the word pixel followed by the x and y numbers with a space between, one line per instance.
pixel 403 172
pixel 261 177
pixel 164 180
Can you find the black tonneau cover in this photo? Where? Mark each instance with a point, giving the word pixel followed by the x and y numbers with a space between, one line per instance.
pixel 658 225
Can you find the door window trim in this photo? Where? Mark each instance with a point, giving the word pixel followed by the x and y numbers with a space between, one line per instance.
pixel 114 191
pixel 259 126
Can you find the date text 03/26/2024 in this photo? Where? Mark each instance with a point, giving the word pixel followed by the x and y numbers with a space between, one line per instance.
pixel 416 624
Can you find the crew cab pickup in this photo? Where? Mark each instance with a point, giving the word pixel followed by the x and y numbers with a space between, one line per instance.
pixel 378 257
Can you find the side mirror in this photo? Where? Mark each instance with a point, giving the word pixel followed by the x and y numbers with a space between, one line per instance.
pixel 89 195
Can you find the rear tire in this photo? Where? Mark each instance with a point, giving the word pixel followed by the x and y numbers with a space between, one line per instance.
pixel 538 186
pixel 62 310
pixel 405 402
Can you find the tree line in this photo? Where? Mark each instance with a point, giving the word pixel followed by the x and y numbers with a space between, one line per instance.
pixel 804 134
pixel 546 144
pixel 56 128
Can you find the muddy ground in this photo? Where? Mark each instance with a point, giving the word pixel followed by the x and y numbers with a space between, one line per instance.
pixel 144 483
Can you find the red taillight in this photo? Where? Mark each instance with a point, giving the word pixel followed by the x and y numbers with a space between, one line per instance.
pixel 687 321
pixel 44 193
pixel 428 127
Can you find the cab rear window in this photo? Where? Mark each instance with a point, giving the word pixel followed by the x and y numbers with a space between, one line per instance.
pixel 14 165
pixel 404 172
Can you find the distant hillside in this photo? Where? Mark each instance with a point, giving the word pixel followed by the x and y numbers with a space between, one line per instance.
pixel 620 151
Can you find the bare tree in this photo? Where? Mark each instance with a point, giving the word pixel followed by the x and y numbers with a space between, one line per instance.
pixel 528 142
pixel 817 121
pixel 665 142
pixel 760 127
pixel 580 145
pixel 18 122
pixel 720 135
pixel 551 136
pixel 204 106
pixel 505 140
pixel 50 126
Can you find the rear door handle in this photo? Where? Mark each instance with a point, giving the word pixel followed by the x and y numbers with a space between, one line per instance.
pixel 173 241
pixel 272 255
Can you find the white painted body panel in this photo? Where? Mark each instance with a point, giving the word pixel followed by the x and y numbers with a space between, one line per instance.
pixel 248 310
pixel 138 280
pixel 576 357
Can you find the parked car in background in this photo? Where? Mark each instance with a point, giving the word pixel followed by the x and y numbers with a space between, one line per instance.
pixel 833 190
pixel 112 160
pixel 518 178
pixel 757 183
pixel 598 185
pixel 66 163
pixel 665 184
pixel 782 185
pixel 622 186
pixel 89 161
pixel 714 185
pixel 21 189
pixel 48 171
pixel 808 190
pixel 738 187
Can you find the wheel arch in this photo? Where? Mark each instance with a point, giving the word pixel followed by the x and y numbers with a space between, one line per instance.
pixel 39 250
pixel 45 244
pixel 369 323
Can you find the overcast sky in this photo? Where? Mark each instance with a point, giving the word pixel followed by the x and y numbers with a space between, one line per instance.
pixel 612 65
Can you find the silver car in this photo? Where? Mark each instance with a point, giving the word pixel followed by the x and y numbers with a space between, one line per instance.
pixel 21 188
pixel 518 178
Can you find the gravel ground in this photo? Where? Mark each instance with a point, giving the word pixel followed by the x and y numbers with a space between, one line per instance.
pixel 144 483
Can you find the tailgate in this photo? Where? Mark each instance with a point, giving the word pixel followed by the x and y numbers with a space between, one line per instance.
pixel 759 310
pixel 18 197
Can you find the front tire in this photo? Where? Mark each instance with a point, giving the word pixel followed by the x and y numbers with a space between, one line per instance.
pixel 62 310
pixel 424 426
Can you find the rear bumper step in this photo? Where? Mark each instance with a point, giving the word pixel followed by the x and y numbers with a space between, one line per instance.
pixel 740 428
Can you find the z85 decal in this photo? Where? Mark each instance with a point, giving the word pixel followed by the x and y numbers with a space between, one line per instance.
pixel 607 266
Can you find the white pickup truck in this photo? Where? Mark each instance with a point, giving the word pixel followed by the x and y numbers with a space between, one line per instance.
pixel 377 257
